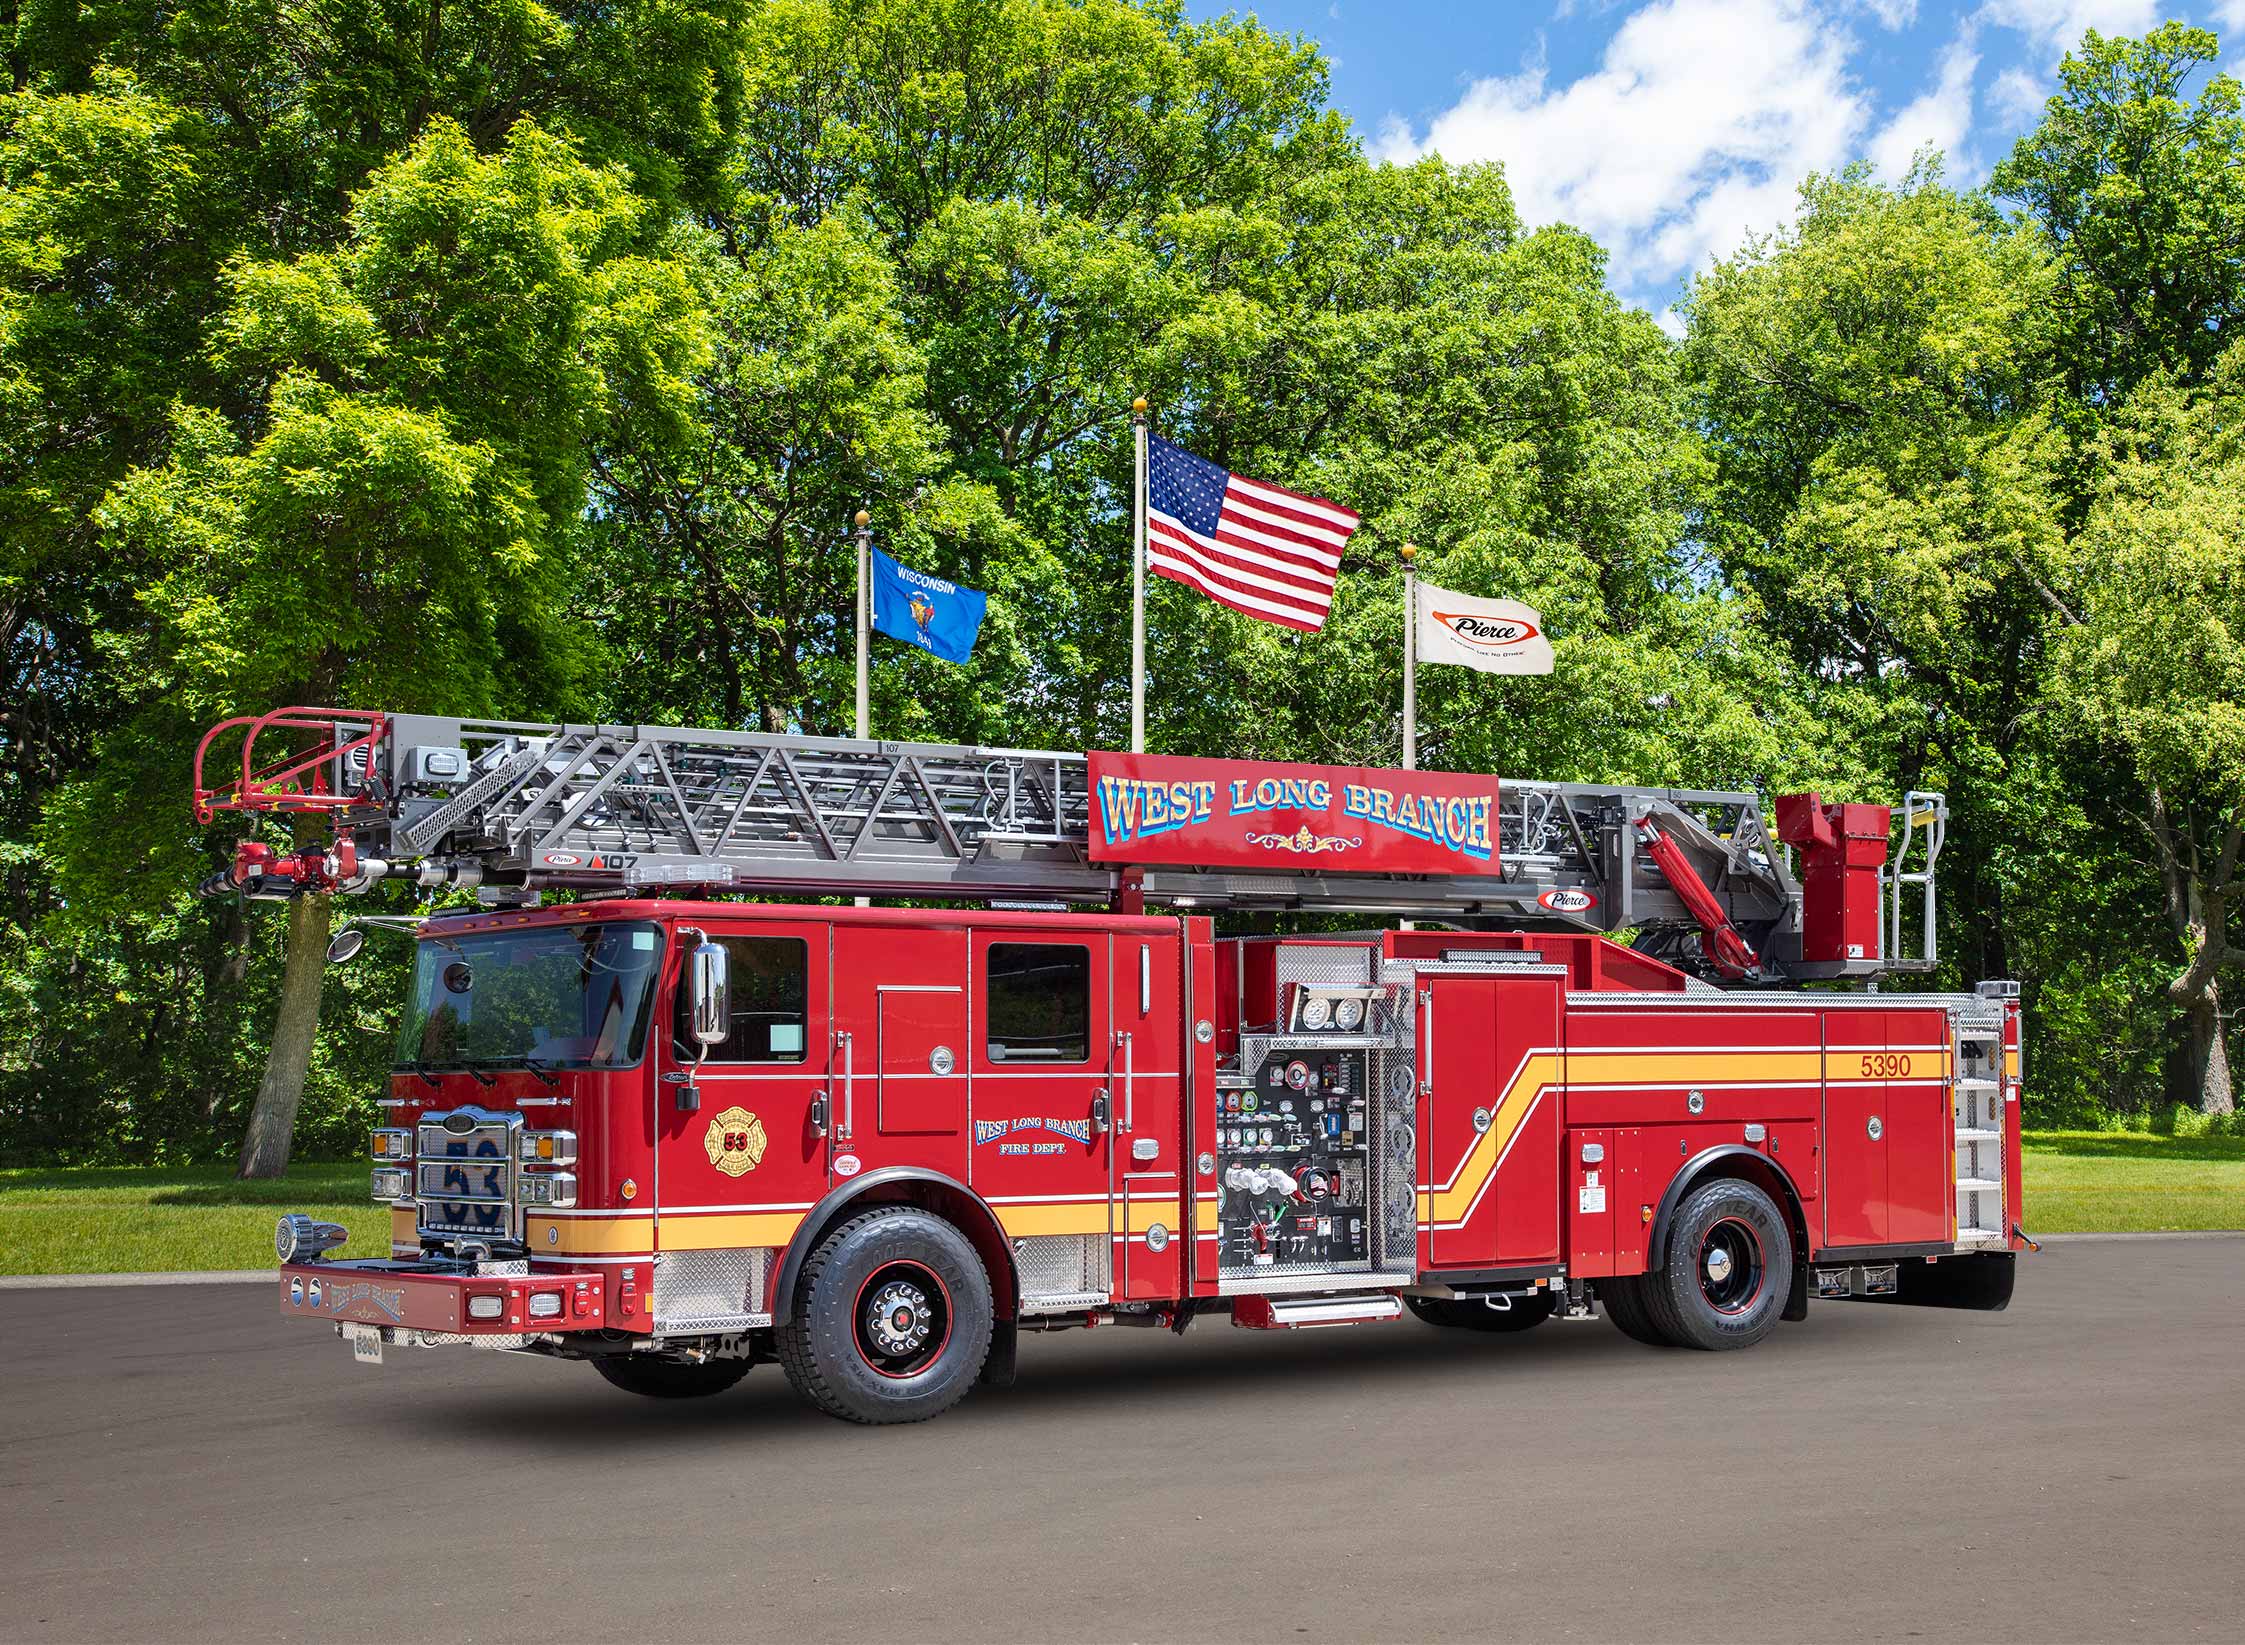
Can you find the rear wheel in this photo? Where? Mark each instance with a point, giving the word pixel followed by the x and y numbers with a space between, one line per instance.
pixel 1472 1314
pixel 1729 1268
pixel 1625 1306
pixel 892 1319
pixel 659 1378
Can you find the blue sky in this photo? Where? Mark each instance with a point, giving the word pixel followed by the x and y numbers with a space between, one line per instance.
pixel 1672 128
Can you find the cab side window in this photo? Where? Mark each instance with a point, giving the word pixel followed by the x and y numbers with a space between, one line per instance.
pixel 1037 1002
pixel 770 985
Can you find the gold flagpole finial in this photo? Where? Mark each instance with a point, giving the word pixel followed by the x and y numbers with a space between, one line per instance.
pixel 1409 551
pixel 1138 406
pixel 863 519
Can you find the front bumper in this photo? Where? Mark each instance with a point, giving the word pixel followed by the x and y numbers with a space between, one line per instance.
pixel 444 1299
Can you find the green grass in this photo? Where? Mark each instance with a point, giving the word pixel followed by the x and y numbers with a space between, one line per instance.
pixel 146 1219
pixel 2127 1181
pixel 149 1219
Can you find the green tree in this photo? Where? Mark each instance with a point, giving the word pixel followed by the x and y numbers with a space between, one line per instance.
pixel 2140 193
pixel 2154 664
pixel 386 528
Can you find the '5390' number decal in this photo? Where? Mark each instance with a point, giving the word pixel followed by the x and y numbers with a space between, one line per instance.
pixel 1886 1065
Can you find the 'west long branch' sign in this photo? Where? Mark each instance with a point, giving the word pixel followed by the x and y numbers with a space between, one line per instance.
pixel 1155 809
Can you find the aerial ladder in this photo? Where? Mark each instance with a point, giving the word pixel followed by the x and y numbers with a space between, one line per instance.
pixel 515 809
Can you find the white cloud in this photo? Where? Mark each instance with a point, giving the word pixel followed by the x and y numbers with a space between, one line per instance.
pixel 2231 14
pixel 2017 98
pixel 1893 15
pixel 2058 25
pixel 1940 117
pixel 1694 130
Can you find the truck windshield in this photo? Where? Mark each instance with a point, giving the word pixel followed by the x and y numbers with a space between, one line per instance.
pixel 570 996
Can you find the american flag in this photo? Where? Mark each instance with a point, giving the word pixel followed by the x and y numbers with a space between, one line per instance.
pixel 1257 548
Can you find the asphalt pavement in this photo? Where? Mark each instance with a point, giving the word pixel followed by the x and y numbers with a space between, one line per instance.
pixel 183 1464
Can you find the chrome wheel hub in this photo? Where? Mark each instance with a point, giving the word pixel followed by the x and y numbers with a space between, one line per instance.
pixel 898 1320
pixel 1718 1265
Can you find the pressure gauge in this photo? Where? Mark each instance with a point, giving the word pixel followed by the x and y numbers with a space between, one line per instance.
pixel 1298 1074
pixel 1348 1015
pixel 1317 1011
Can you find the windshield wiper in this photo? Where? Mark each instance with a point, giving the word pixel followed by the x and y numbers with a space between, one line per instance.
pixel 417 1066
pixel 535 1066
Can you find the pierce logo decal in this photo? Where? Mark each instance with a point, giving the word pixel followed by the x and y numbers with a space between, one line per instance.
pixel 735 1142
pixel 1488 633
pixel 1567 899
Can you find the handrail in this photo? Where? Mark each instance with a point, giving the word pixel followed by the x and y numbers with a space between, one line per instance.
pixel 260 788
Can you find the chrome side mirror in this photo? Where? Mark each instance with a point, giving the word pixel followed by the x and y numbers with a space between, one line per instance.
pixel 709 993
pixel 344 946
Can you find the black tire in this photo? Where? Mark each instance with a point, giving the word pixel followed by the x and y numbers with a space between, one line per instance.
pixel 1625 1305
pixel 1728 1271
pixel 659 1378
pixel 892 1319
pixel 1525 1314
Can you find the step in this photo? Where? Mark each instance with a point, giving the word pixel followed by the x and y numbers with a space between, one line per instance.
pixel 1973 1134
pixel 1299 1313
pixel 1973 1082
pixel 1978 1185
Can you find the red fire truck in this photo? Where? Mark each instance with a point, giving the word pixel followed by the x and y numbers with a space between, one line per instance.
pixel 675 1133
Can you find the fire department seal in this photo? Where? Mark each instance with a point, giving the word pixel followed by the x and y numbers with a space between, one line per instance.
pixel 735 1142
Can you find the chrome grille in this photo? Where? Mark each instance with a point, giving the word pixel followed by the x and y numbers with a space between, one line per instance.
pixel 464 1174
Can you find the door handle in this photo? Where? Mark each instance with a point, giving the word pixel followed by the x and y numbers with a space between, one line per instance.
pixel 818 1115
pixel 1130 1087
pixel 1099 1121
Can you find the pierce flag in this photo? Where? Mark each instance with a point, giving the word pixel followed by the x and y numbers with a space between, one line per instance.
pixel 1495 636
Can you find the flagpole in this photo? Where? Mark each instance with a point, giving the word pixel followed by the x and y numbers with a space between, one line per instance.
pixel 1138 581
pixel 1410 660
pixel 864 625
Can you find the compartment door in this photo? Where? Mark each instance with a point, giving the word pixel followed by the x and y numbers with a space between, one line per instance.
pixel 1921 1146
pixel 1489 1121
pixel 1855 1128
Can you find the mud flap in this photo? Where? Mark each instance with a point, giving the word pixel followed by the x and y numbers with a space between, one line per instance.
pixel 1981 1281
pixel 1796 1300
pixel 997 1365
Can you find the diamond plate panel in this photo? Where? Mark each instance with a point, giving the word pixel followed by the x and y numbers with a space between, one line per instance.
pixel 1062 1265
pixel 713 1290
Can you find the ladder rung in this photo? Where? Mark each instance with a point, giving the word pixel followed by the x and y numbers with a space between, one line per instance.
pixel 1973 1134
pixel 1978 1185
pixel 1975 1082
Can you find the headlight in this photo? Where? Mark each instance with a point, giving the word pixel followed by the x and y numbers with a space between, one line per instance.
pixel 1317 1011
pixel 391 1184
pixel 393 1145
pixel 1348 1015
pixel 558 1190
pixel 487 1307
pixel 299 1238
pixel 545 1305
pixel 547 1147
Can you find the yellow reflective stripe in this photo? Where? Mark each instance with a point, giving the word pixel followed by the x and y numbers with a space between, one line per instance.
pixel 1449 1204
pixel 1065 1217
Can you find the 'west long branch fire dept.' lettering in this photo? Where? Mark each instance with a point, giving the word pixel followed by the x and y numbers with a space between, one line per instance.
pixel 1138 808
pixel 998 1131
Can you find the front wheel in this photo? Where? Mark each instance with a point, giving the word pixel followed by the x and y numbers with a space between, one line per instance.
pixel 1729 1268
pixel 659 1378
pixel 892 1319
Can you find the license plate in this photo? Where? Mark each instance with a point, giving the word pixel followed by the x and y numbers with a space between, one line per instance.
pixel 366 1343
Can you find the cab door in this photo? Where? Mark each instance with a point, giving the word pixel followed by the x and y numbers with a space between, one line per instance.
pixel 1149 1113
pixel 900 1048
pixel 740 1150
pixel 1045 1069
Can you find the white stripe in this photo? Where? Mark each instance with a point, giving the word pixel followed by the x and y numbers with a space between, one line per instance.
pixel 1175 530
pixel 1253 605
pixel 1282 592
pixel 1244 508
pixel 1318 562
pixel 1254 556
pixel 1346 518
